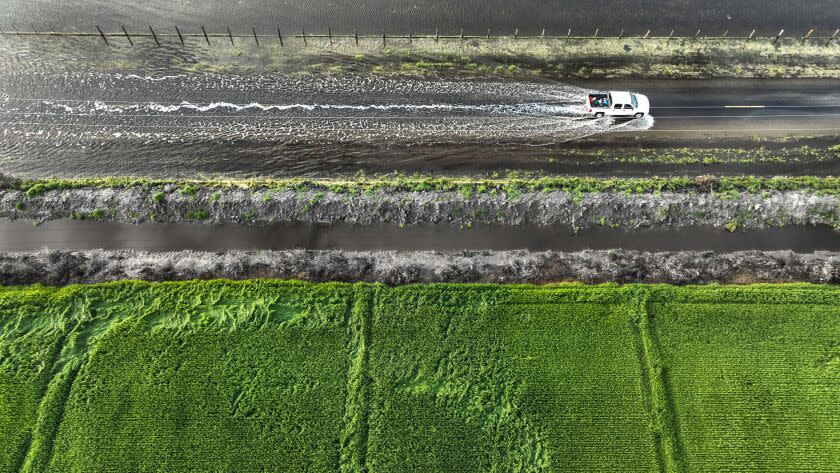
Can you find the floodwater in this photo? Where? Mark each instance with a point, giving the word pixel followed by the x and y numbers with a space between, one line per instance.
pixel 61 114
pixel 75 107
pixel 75 234
pixel 400 16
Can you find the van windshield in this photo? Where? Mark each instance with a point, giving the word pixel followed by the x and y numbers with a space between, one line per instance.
pixel 633 101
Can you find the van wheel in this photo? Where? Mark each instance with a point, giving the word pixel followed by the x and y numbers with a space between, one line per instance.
pixel 639 115
pixel 599 114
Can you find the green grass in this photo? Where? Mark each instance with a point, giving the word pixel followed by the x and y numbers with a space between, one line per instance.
pixel 288 376
pixel 138 377
pixel 514 182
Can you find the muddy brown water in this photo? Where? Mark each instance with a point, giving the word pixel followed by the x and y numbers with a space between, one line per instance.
pixel 74 234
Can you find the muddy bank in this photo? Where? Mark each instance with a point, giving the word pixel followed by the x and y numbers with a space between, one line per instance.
pixel 730 210
pixel 58 267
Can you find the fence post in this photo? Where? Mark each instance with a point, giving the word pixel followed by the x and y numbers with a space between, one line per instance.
pixel 206 38
pixel 542 35
pixel 280 36
pixel 230 35
pixel 516 33
pixel 697 34
pixel 569 34
pixel 181 37
pixel 436 35
pixel 410 37
pixel 154 35
pixel 832 37
pixel 751 34
pixel 488 33
pixel 646 34
pixel 303 31
pixel 356 35
pixel 621 34
pixel 127 36
pixel 596 33
pixel 329 33
pixel 725 33
pixel 669 37
pixel 257 40
pixel 807 35
pixel 103 35
pixel 778 36
pixel 383 39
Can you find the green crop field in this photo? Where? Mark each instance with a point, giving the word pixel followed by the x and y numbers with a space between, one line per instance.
pixel 288 376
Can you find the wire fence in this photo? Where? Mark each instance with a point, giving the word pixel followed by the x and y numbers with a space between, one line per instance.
pixel 279 37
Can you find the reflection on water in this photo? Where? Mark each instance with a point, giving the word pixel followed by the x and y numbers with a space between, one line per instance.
pixel 87 234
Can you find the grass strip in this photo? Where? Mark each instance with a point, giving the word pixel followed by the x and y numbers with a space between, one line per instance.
pixel 663 425
pixel 354 436
pixel 419 183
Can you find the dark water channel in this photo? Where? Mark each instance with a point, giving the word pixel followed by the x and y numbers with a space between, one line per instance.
pixel 475 16
pixel 72 234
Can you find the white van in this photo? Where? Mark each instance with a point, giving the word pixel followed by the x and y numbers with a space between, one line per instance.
pixel 617 104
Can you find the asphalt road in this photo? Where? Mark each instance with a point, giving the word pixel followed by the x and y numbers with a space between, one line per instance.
pixel 733 108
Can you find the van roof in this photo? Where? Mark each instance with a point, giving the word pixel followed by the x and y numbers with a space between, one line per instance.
pixel 620 97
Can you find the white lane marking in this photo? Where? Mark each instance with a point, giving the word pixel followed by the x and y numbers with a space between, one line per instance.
pixel 727 130
pixel 749 116
pixel 744 106
pixel 763 106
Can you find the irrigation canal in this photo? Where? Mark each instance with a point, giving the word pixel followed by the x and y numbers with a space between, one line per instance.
pixel 74 234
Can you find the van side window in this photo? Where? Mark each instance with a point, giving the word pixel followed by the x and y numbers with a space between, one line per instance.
pixel 617 106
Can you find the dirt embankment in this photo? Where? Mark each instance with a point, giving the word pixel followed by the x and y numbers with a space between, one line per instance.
pixel 60 267
pixel 579 210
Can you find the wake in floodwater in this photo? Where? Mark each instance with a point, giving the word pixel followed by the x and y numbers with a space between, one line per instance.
pixel 89 109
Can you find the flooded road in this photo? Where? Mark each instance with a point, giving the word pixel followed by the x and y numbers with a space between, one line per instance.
pixel 87 123
pixel 73 234
pixel 74 107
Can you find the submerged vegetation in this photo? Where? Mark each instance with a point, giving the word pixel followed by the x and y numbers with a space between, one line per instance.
pixel 220 375
pixel 556 57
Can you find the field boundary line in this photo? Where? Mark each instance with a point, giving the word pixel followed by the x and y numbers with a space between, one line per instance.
pixel 354 432
pixel 663 420
pixel 51 413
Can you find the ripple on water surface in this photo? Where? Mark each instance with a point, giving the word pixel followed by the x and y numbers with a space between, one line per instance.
pixel 92 122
